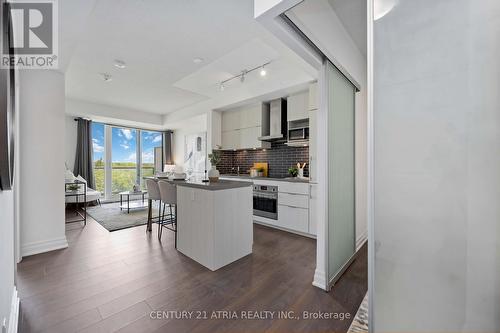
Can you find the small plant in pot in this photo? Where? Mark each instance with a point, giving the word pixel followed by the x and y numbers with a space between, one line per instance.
pixel 213 173
pixel 293 171
pixel 73 187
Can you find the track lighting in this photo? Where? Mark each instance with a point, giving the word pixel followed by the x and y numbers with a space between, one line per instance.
pixel 242 76
pixel 263 71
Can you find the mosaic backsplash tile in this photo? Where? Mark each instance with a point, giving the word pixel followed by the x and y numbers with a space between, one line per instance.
pixel 279 157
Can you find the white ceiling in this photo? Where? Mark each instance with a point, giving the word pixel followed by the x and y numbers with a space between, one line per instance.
pixel 352 14
pixel 158 40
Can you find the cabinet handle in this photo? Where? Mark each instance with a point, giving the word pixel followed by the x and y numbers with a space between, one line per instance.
pixel 293 206
pixel 310 191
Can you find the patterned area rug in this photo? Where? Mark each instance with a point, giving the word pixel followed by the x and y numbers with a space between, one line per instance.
pixel 360 322
pixel 112 218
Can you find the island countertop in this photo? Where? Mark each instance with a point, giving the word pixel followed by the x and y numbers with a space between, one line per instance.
pixel 218 186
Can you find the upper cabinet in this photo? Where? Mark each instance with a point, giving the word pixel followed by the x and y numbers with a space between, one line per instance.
pixel 313 97
pixel 242 127
pixel 298 105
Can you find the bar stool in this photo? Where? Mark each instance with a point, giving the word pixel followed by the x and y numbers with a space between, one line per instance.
pixel 168 194
pixel 153 195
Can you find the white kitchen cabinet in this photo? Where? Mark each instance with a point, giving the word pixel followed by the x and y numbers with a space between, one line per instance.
pixel 230 139
pixel 293 199
pixel 251 116
pixel 297 106
pixel 245 138
pixel 293 218
pixel 231 121
pixel 313 96
pixel 249 138
pixel 313 209
pixel 294 187
pixel 241 128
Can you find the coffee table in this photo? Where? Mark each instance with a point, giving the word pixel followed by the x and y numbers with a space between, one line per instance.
pixel 136 204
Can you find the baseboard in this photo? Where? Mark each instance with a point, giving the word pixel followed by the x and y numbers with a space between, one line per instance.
pixel 361 240
pixel 270 225
pixel 43 246
pixel 320 280
pixel 14 312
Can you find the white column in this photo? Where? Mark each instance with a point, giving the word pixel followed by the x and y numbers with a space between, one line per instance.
pixel 41 140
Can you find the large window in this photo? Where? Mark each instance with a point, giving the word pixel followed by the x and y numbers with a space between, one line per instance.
pixel 99 158
pixel 151 147
pixel 123 156
pixel 124 159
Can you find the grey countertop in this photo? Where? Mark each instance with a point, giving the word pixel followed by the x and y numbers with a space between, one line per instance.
pixel 290 180
pixel 218 186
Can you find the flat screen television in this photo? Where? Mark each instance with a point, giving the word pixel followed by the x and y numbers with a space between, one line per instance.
pixel 7 103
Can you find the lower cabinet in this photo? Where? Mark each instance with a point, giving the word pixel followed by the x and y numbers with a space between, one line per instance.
pixel 293 218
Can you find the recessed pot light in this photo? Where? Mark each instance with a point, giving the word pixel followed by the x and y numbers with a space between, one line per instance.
pixel 120 64
pixel 198 60
pixel 106 77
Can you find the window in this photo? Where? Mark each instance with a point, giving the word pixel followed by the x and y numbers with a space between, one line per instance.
pixel 98 157
pixel 133 154
pixel 124 159
pixel 151 157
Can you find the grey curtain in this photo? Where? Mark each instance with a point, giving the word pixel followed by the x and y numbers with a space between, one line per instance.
pixel 84 151
pixel 168 157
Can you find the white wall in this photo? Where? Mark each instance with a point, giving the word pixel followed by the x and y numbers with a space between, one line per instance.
pixel 42 155
pixel 437 167
pixel 192 125
pixel 114 114
pixel 70 140
pixel 7 263
pixel 319 22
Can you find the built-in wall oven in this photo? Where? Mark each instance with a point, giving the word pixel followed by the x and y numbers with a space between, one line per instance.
pixel 265 201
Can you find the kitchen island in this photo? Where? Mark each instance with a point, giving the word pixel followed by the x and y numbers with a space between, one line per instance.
pixel 214 221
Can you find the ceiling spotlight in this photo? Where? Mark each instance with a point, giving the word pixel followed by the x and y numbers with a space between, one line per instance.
pixel 198 60
pixel 263 71
pixel 120 64
pixel 106 77
pixel 222 88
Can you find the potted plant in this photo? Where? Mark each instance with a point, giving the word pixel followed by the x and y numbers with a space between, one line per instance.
pixel 293 171
pixel 73 187
pixel 213 173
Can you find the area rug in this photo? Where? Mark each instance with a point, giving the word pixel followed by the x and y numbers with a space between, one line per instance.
pixel 360 322
pixel 112 218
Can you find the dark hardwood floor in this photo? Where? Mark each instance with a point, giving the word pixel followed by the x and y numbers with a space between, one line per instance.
pixel 107 282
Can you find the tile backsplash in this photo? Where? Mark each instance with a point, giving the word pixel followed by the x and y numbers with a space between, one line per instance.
pixel 279 157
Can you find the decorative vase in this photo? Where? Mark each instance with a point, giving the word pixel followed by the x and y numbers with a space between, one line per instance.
pixel 213 175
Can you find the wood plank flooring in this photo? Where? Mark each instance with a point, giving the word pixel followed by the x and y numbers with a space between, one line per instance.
pixel 110 282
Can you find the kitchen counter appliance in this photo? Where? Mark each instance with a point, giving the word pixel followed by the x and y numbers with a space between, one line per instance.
pixel 265 201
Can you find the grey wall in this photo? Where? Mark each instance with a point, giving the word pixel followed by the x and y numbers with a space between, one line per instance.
pixel 6 253
pixel 437 167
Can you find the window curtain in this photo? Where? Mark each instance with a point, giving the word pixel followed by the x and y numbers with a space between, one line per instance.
pixel 168 157
pixel 84 152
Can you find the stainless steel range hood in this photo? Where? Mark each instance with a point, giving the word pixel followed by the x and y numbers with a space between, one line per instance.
pixel 274 121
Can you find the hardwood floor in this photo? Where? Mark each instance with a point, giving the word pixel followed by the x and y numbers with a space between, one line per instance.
pixel 107 282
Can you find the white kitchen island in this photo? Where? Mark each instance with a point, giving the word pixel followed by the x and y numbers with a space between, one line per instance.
pixel 214 221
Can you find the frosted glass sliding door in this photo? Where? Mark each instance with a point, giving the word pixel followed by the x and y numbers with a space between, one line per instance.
pixel 436 110
pixel 341 183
